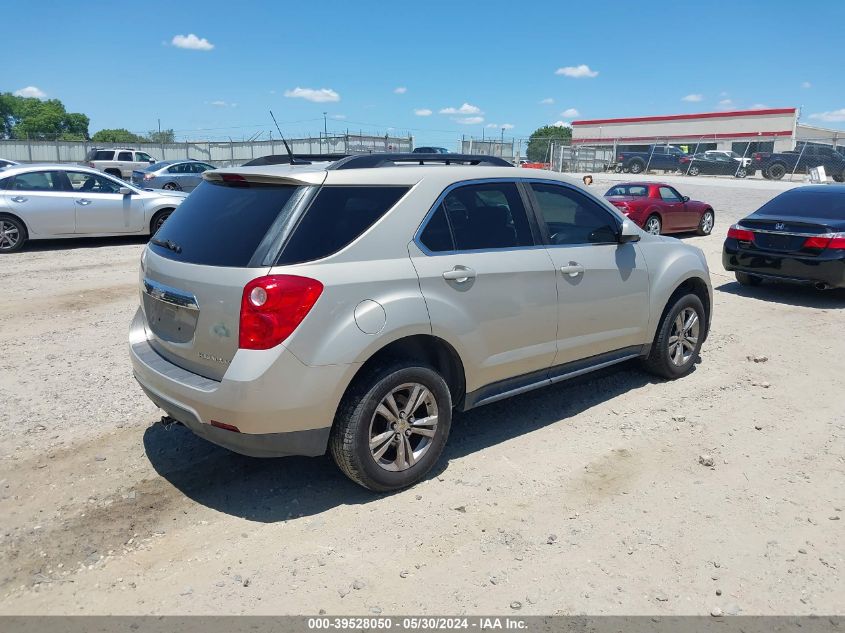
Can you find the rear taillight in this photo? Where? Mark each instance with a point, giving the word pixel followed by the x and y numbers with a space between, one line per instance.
pixel 620 158
pixel 738 233
pixel 822 242
pixel 622 206
pixel 149 176
pixel 684 159
pixel 272 307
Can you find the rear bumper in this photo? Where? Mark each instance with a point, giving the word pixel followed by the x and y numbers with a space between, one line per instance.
pixel 826 268
pixel 280 405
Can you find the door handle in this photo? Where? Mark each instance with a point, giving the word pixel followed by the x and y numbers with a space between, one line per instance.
pixel 18 199
pixel 573 269
pixel 84 202
pixel 459 274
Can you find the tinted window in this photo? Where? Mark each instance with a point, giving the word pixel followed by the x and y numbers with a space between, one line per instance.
pixel 638 191
pixel 92 183
pixel 572 218
pixel 181 168
pixel 124 156
pixel 436 235
pixel 487 216
pixel 143 157
pixel 809 203
pixel 222 225
pixel 669 194
pixel 335 218
pixel 104 154
pixel 38 181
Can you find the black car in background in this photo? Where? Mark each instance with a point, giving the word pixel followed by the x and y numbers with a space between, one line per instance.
pixel 796 236
pixel 712 164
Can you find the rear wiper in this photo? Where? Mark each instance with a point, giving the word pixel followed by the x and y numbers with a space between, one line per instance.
pixel 169 245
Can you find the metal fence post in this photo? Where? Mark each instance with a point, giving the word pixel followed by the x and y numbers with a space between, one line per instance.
pixel 803 147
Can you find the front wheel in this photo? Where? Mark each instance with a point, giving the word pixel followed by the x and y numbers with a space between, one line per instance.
pixel 741 173
pixel 839 178
pixel 653 225
pixel 391 426
pixel 777 171
pixel 12 234
pixel 679 337
pixel 705 224
pixel 158 220
pixel 694 170
pixel 637 166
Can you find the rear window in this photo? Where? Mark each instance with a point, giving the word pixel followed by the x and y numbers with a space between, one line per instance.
pixel 223 225
pixel 335 218
pixel 636 191
pixel 814 203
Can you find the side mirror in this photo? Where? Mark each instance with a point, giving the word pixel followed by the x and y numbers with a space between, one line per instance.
pixel 152 161
pixel 629 232
pixel 124 191
pixel 685 198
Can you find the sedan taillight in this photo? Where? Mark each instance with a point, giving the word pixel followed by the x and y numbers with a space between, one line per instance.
pixel 149 176
pixel 738 233
pixel 823 242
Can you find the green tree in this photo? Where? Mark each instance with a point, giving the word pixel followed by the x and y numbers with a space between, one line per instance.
pixel 31 118
pixel 117 135
pixel 165 136
pixel 539 141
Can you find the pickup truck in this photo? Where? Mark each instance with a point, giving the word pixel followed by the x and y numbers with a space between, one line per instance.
pixel 800 160
pixel 665 157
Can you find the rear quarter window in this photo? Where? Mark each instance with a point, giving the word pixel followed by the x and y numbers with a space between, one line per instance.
pixel 335 218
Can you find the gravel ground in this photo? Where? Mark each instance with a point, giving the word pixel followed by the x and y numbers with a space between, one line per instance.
pixel 615 494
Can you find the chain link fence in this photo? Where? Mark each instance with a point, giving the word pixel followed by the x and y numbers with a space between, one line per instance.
pixel 220 154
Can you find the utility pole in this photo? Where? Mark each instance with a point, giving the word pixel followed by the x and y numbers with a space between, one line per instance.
pixel 325 125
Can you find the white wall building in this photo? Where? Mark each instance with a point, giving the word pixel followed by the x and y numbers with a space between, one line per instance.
pixel 743 131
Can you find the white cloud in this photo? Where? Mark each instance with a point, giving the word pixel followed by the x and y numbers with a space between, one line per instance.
pixel 507 126
pixel 400 90
pixel 577 72
pixel 220 104
pixel 492 125
pixel 726 103
pixel 561 124
pixel 192 42
pixel 338 117
pixel 806 84
pixel 832 116
pixel 422 112
pixel 30 91
pixel 693 98
pixel 569 113
pixel 760 106
pixel 322 95
pixel 466 108
pixel 547 101
pixel 469 120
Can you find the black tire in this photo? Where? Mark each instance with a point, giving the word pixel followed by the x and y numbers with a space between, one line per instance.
pixel 746 279
pixel 704 227
pixel 13 234
pixel 777 171
pixel 839 178
pixel 765 173
pixel 694 170
pixel 650 222
pixel 172 186
pixel 636 166
pixel 659 361
pixel 349 442
pixel 159 219
pixel 741 173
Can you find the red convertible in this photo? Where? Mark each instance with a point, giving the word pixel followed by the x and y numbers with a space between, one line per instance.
pixel 659 208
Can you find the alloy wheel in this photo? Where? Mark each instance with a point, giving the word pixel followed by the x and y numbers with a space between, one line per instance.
pixel 684 336
pixel 707 222
pixel 9 235
pixel 171 187
pixel 653 226
pixel 403 427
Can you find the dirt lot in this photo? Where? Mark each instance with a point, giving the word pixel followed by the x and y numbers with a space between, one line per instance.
pixel 582 498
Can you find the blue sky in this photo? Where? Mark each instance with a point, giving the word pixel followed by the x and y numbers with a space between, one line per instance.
pixel 432 69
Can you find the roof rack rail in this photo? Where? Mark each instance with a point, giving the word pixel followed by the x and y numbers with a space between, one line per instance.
pixel 284 159
pixel 363 161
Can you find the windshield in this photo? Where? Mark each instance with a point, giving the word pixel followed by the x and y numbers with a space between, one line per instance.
pixel 809 203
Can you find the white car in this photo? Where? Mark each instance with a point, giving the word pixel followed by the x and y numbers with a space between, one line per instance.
pixel 120 162
pixel 4 163
pixel 730 154
pixel 62 201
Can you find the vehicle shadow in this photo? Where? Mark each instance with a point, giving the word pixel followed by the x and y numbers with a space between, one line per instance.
pixel 271 490
pixel 789 294
pixel 82 242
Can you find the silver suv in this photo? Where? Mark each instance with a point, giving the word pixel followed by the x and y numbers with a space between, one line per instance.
pixel 120 162
pixel 352 307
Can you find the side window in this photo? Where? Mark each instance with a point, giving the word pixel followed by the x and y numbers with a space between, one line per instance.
pixel 177 169
pixel 572 218
pixel 37 181
pixel 336 217
pixel 104 154
pixel 436 235
pixel 124 156
pixel 142 157
pixel 487 216
pixel 669 194
pixel 201 167
pixel 84 182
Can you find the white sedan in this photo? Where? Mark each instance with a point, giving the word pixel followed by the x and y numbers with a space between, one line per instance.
pixel 62 201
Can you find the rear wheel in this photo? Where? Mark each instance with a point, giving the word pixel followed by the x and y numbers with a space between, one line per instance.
pixel 12 234
pixel 746 279
pixel 653 224
pixel 694 170
pixel 158 220
pixel 765 173
pixel 172 186
pixel 741 173
pixel 705 225
pixel 839 178
pixel 777 171
pixel 637 166
pixel 391 426
pixel 678 339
